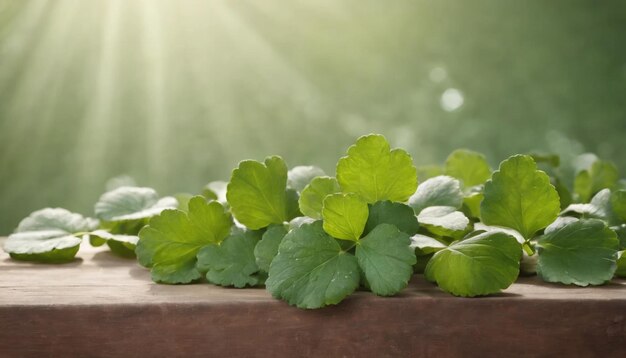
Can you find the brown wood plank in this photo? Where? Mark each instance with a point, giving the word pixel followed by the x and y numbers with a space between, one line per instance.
pixel 103 306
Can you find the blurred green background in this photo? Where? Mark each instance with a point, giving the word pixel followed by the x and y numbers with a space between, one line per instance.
pixel 175 93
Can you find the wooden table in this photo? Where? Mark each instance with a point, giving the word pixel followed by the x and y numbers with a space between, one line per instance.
pixel 104 306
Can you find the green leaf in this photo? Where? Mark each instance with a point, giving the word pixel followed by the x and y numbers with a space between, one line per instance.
pixel 471 204
pixel 620 230
pixel 48 235
pixel 132 203
pixel 345 216
pixel 551 159
pixel 481 265
pixel 299 177
pixel 580 253
pixel 267 248
pixel 618 204
pixel 386 258
pixel 232 262
pixel 471 168
pixel 311 270
pixel 397 214
pixel 170 242
pixel 312 196
pixel 593 176
pixel 444 221
pixel 426 245
pixel 121 245
pixel 375 172
pixel 621 264
pixel 257 192
pixel 520 197
pixel 429 171
pixel 600 207
pixel 438 191
pixel 292 198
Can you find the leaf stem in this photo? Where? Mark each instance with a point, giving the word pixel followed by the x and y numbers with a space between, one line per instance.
pixel 528 248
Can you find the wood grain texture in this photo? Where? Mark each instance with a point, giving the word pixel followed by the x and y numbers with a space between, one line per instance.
pixel 103 306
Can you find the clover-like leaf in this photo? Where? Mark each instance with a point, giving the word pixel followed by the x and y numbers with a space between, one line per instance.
pixel 375 172
pixel 231 262
pixel 444 221
pixel 480 265
pixel 169 244
pixel 311 270
pixel 257 192
pixel 438 191
pixel 582 253
pixel 312 196
pixel 300 176
pixel 345 216
pixel 470 167
pixel 50 235
pixel 267 248
pixel 520 197
pixel 132 203
pixel 386 259
pixel 397 214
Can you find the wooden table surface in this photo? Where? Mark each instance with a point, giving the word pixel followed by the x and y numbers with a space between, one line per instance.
pixel 103 306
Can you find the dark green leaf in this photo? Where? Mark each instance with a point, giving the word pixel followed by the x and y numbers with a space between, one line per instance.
pixel 397 214
pixel 386 258
pixel 267 248
pixel 311 270
pixel 232 262
pixel 580 253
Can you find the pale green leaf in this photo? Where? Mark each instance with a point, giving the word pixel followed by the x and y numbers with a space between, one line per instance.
pixel 300 176
pixel 438 191
pixel 170 242
pixel 132 203
pixel 375 172
pixel 312 196
pixel 345 216
pixel 520 197
pixel 444 221
pixel 477 266
pixel 471 168
pixel 257 192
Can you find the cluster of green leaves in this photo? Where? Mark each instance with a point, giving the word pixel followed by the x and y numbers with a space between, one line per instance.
pixel 313 239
